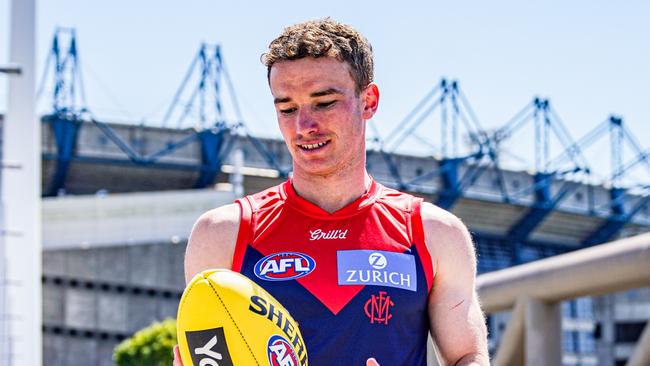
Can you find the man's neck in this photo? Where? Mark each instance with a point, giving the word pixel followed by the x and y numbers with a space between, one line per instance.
pixel 333 192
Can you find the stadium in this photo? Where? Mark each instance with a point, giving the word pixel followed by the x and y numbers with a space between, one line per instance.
pixel 118 202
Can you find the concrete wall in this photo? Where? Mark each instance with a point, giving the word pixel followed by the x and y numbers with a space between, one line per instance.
pixel 127 218
pixel 112 265
pixel 94 298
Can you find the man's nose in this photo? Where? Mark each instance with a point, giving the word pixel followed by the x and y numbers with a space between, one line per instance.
pixel 306 124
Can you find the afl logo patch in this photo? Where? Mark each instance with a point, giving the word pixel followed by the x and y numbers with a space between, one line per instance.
pixel 280 352
pixel 284 266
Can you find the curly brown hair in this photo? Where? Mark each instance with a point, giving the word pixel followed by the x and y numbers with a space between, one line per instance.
pixel 324 38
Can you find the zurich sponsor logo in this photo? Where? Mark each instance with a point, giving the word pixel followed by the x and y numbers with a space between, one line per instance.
pixel 376 268
pixel 377 260
pixel 280 352
pixel 284 266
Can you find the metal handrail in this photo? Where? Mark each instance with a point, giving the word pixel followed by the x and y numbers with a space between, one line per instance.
pixel 534 291
pixel 615 266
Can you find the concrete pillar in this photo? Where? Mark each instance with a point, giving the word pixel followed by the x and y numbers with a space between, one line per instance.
pixel 606 315
pixel 237 178
pixel 432 359
pixel 511 348
pixel 20 198
pixel 543 333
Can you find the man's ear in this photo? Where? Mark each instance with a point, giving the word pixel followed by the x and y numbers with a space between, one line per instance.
pixel 371 100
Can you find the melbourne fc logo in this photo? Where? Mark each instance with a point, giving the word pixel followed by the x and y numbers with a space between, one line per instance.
pixel 280 352
pixel 377 308
pixel 284 266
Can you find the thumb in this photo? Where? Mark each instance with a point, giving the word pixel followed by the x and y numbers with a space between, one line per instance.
pixel 177 357
pixel 372 362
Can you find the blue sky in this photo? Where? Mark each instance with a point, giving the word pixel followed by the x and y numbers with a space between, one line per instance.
pixel 591 58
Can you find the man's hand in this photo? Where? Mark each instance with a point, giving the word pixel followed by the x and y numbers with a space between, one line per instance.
pixel 177 357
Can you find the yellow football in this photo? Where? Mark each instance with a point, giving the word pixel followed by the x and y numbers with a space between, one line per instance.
pixel 225 319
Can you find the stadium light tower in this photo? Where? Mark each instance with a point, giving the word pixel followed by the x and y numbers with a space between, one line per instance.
pixel 20 195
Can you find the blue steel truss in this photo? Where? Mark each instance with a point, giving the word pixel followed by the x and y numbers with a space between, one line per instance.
pixel 68 101
pixel 213 133
pixel 65 130
pixel 214 142
pixel 456 116
pixel 620 214
pixel 68 94
pixel 546 124
pixel 618 218
pixel 200 94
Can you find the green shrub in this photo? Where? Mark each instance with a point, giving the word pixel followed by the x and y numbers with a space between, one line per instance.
pixel 151 346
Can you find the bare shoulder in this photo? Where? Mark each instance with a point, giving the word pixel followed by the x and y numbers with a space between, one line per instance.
pixel 447 237
pixel 456 321
pixel 212 241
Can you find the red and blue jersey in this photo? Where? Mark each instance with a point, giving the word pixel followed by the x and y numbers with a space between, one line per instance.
pixel 357 280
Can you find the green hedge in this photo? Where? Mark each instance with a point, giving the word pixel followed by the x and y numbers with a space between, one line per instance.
pixel 152 346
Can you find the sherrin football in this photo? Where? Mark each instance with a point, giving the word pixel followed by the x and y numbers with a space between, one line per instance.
pixel 225 319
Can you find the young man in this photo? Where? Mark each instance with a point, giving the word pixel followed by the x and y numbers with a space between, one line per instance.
pixel 368 271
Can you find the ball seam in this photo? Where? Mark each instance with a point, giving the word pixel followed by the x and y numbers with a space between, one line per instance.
pixel 233 321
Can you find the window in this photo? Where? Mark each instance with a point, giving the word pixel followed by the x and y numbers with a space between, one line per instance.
pixel 568 342
pixel 586 343
pixel 629 332
pixel 493 254
pixel 579 196
pixel 584 308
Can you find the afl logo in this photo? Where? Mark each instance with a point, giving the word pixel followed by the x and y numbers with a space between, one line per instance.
pixel 284 266
pixel 280 352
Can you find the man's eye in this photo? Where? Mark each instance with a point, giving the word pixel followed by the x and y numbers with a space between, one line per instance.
pixel 326 104
pixel 287 110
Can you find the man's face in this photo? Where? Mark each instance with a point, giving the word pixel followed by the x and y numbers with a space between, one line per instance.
pixel 321 117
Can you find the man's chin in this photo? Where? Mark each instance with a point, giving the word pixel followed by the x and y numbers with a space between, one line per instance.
pixel 315 169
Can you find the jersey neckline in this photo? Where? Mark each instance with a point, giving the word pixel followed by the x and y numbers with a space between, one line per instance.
pixel 301 204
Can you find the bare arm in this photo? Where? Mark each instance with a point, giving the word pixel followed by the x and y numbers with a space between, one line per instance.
pixel 457 322
pixel 212 241
pixel 211 245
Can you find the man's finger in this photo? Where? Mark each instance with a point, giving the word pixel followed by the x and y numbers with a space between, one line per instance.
pixel 177 357
pixel 372 362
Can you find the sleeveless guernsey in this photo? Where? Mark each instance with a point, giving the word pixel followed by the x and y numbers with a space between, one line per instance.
pixel 356 280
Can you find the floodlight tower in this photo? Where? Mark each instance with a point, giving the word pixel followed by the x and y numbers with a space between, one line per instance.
pixel 20 235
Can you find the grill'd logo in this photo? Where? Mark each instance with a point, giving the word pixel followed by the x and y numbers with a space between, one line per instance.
pixel 377 308
pixel 319 234
pixel 280 353
pixel 284 266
